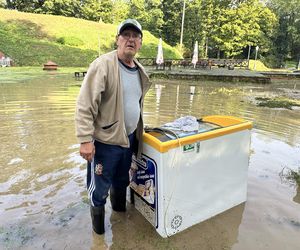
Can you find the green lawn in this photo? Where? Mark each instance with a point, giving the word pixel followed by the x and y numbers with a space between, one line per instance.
pixel 33 39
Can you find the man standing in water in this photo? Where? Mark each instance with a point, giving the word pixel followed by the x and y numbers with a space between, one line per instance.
pixel 109 124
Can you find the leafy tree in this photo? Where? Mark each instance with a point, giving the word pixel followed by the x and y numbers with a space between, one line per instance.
pixel 237 25
pixel 154 17
pixel 120 11
pixel 2 3
pixel 69 8
pixel 192 26
pixel 287 39
pixel 148 13
pixel 24 5
pixel 209 17
pixel 106 11
pixel 90 10
pixel 97 10
pixel 172 11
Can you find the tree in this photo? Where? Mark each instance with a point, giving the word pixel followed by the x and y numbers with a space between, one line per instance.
pixel 154 17
pixel 192 27
pixel 148 13
pixel 2 3
pixel 70 8
pixel 97 10
pixel 24 5
pixel 287 39
pixel 172 15
pixel 237 25
pixel 120 11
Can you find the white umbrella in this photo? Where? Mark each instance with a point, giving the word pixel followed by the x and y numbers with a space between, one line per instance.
pixel 195 56
pixel 160 54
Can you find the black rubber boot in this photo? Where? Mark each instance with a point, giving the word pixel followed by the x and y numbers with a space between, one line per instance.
pixel 118 199
pixel 131 196
pixel 98 214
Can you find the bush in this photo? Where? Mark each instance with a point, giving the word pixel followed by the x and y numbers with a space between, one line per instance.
pixel 270 61
pixel 71 41
pixel 61 40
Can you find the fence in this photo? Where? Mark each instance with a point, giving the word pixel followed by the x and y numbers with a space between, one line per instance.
pixel 202 63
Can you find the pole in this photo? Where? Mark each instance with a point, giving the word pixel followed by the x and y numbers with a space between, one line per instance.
pixel 256 50
pixel 182 24
pixel 99 45
pixel 248 58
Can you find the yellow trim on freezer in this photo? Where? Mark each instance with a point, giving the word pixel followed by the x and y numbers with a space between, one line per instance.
pixel 229 124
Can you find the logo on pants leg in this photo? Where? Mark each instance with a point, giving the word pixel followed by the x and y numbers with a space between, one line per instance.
pixel 98 169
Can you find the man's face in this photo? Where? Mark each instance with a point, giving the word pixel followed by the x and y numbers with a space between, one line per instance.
pixel 129 42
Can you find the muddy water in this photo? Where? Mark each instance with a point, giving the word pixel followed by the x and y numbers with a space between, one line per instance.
pixel 43 203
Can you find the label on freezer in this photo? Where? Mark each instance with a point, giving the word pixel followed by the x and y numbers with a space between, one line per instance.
pixel 188 148
pixel 143 180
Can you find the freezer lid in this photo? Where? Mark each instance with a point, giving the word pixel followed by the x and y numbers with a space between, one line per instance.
pixel 163 139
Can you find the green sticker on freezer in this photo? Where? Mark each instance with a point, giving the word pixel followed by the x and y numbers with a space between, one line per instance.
pixel 188 147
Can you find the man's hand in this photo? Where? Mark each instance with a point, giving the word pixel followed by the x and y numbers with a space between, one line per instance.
pixel 87 150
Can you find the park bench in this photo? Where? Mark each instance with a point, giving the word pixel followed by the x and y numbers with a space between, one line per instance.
pixel 77 74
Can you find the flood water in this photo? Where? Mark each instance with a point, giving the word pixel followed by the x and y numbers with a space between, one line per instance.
pixel 43 202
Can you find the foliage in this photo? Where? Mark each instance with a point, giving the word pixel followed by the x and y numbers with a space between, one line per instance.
pixel 223 28
pixel 287 39
pixel 120 11
pixel 172 10
pixel 148 13
pixel 246 23
pixel 193 26
pixel 97 10
pixel 2 3
pixel 33 39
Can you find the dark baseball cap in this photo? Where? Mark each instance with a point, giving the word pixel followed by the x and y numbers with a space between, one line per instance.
pixel 130 23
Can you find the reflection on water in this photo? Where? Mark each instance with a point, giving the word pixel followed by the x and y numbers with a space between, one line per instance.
pixel 175 99
pixel 42 181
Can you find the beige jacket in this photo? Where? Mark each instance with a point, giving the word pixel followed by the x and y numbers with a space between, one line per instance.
pixel 99 110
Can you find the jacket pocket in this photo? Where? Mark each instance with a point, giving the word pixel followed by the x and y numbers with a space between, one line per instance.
pixel 109 126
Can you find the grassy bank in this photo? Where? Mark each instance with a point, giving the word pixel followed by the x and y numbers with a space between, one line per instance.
pixel 33 39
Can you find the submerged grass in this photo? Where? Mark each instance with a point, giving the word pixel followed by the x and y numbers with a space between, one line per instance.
pixel 277 102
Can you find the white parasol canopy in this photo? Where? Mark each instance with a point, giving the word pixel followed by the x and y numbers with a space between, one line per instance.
pixel 160 54
pixel 195 55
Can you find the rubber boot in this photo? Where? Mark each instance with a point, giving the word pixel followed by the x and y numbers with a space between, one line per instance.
pixel 131 196
pixel 97 214
pixel 118 199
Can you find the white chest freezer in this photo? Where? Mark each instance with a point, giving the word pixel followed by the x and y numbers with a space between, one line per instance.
pixel 183 179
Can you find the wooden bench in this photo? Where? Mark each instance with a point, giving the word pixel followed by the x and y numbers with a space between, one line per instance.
pixel 77 74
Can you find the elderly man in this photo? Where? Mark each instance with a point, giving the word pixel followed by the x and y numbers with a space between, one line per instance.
pixel 109 124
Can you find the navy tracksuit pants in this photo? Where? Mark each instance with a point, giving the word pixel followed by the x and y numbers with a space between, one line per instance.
pixel 110 167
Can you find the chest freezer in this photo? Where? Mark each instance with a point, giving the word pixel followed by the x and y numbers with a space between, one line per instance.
pixel 184 178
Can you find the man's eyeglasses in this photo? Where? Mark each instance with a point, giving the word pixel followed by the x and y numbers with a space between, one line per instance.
pixel 134 35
